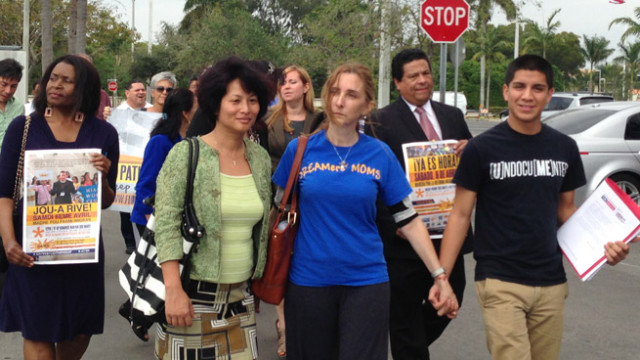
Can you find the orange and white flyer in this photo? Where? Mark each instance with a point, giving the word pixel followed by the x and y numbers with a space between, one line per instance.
pixel 430 167
pixel 133 134
pixel 608 214
pixel 62 202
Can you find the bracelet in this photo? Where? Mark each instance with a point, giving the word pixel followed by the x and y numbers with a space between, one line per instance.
pixel 438 271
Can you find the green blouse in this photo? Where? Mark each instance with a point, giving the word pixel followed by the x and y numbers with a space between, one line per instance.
pixel 171 186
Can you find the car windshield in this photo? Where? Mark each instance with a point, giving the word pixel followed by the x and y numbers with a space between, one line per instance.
pixel 558 103
pixel 573 122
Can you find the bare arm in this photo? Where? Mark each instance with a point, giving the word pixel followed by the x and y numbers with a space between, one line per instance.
pixel 178 307
pixel 441 295
pixel 457 227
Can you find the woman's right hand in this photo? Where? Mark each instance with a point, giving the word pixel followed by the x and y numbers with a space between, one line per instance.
pixel 178 307
pixel 15 255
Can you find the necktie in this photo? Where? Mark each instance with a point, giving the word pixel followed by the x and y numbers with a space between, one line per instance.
pixel 426 125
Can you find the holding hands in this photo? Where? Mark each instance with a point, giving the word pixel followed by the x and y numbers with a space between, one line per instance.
pixel 442 297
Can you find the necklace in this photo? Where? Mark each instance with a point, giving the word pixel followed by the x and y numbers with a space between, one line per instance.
pixel 343 162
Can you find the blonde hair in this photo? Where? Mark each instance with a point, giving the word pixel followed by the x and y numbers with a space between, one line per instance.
pixel 281 108
pixel 361 71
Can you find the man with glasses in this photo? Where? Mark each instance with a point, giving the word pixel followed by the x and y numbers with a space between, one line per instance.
pixel 10 107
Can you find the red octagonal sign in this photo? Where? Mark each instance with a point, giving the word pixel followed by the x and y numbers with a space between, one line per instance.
pixel 444 20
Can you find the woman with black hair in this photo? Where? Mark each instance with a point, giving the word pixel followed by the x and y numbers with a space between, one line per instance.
pixel 57 308
pixel 231 198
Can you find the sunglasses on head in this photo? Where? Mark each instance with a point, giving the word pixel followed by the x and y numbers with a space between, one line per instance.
pixel 162 89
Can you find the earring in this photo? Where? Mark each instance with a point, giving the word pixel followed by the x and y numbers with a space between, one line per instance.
pixel 48 111
pixel 79 117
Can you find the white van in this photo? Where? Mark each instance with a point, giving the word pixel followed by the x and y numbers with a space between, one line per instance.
pixel 449 98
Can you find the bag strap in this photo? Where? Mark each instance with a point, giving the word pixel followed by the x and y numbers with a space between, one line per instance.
pixel 293 178
pixel 23 147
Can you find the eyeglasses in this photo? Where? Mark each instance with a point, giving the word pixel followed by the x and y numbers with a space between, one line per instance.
pixel 162 89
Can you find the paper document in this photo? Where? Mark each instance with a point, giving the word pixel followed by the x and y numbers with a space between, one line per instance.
pixel 607 215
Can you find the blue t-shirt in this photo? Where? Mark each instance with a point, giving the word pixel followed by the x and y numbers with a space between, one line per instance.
pixel 155 152
pixel 337 241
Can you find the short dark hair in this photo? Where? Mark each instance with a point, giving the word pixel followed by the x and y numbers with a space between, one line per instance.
pixel 406 56
pixel 11 69
pixel 177 101
pixel 530 62
pixel 86 92
pixel 212 85
pixel 131 82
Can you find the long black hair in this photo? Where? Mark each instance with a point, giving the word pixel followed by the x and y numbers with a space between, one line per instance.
pixel 86 92
pixel 177 101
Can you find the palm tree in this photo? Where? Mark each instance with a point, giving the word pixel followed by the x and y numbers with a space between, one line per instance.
pixel 483 9
pixel 633 25
pixel 631 58
pixel 195 10
pixel 542 36
pixel 492 49
pixel 46 16
pixel 595 51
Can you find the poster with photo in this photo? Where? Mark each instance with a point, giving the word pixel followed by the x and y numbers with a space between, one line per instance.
pixel 430 167
pixel 62 192
pixel 133 128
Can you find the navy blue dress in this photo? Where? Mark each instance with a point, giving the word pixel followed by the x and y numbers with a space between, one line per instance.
pixel 54 302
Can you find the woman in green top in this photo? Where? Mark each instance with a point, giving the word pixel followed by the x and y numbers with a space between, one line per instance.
pixel 231 197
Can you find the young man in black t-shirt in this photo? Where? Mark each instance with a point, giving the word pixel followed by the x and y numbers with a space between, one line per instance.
pixel 522 174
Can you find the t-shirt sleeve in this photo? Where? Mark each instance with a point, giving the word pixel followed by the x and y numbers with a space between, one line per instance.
pixel 281 175
pixel 395 185
pixel 574 178
pixel 469 171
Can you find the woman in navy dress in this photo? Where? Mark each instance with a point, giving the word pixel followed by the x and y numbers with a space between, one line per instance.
pixel 56 307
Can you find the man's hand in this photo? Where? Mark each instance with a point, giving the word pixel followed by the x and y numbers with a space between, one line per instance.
pixel 458 147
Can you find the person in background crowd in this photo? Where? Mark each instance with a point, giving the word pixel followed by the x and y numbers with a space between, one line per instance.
pixel 10 107
pixel 178 111
pixel 56 307
pixel 413 326
pixel 193 84
pixel 332 294
pixel 29 107
pixel 42 188
pixel 520 280
pixel 161 86
pixel 291 116
pixel 135 99
pixel 105 101
pixel 231 197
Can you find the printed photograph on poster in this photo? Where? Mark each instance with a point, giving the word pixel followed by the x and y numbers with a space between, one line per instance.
pixel 62 201
pixel 430 167
pixel 133 128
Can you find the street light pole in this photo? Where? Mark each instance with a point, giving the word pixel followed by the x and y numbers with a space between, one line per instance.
pixel 133 26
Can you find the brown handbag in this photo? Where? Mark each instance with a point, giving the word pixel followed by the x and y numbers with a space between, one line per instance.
pixel 271 287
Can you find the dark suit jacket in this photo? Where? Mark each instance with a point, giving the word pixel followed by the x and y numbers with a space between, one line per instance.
pixel 395 125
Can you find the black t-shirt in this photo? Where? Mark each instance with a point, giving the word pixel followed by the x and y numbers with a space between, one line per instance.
pixel 518 179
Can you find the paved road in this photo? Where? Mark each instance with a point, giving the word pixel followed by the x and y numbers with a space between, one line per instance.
pixel 601 317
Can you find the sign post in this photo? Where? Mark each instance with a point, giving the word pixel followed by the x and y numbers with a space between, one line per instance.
pixel 444 21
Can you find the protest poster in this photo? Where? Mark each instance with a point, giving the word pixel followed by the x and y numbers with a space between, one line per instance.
pixel 133 128
pixel 430 167
pixel 61 212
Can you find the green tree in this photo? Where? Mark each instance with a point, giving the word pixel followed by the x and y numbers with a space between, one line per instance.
pixel 492 49
pixel 565 53
pixel 633 26
pixel 484 11
pixel 595 51
pixel 540 37
pixel 631 58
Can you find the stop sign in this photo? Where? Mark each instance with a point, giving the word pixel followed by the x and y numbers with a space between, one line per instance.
pixel 444 20
pixel 112 86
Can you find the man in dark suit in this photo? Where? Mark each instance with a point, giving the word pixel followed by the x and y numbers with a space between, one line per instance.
pixel 414 324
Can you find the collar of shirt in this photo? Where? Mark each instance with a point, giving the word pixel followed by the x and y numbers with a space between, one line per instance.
pixel 430 114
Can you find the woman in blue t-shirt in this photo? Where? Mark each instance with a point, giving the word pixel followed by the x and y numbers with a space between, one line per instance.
pixel 337 301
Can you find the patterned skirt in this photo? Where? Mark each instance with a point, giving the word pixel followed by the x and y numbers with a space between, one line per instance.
pixel 224 327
